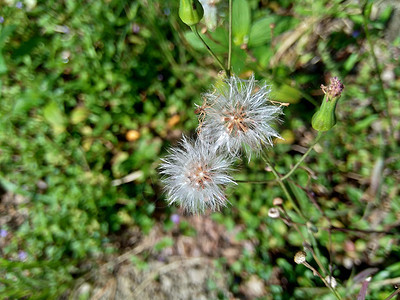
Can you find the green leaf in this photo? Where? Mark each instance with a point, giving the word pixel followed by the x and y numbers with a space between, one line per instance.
pixel 218 46
pixel 263 55
pixel 240 21
pixel 360 125
pixel 5 32
pixel 29 99
pixel 54 116
pixel 3 66
pixel 260 32
pixel 164 243
pixel 351 61
pixel 238 59
pixel 286 93
pixel 79 114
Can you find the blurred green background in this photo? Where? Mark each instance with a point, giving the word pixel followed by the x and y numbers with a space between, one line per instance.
pixel 94 92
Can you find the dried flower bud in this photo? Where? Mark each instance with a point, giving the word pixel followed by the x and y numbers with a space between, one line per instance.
pixel 325 118
pixel 300 257
pixel 190 12
pixel 273 213
pixel 331 281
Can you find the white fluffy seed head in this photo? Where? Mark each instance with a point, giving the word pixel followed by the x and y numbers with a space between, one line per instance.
pixel 238 115
pixel 195 176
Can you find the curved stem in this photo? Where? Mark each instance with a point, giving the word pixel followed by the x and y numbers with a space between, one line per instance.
pixel 230 40
pixel 285 190
pixel 303 157
pixel 194 29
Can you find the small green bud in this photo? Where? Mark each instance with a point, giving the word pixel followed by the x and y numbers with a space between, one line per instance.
pixel 190 12
pixel 325 118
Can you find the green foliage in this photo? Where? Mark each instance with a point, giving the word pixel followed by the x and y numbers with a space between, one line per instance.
pixel 74 85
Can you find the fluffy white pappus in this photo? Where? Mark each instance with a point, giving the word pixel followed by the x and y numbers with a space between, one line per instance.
pixel 195 176
pixel 238 115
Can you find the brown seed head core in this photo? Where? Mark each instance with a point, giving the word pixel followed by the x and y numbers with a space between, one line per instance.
pixel 199 176
pixel 236 120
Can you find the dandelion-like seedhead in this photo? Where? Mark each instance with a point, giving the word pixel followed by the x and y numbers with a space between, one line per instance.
pixel 238 114
pixel 195 176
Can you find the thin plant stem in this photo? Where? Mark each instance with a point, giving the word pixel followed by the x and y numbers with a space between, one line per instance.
pixel 316 273
pixel 303 157
pixel 315 256
pixel 194 29
pixel 393 294
pixel 256 181
pixel 285 190
pixel 305 243
pixel 379 75
pixel 230 40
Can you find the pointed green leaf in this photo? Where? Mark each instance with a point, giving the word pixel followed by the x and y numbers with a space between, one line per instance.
pixel 286 93
pixel 241 20
pixel 260 32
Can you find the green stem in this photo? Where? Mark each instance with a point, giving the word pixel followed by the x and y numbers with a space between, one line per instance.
pixel 285 190
pixel 304 156
pixel 396 292
pixel 230 40
pixel 316 273
pixel 314 254
pixel 194 29
pixel 385 104
pixel 256 181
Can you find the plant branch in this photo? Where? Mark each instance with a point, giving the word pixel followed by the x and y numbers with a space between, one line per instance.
pixel 194 29
pixel 379 75
pixel 285 190
pixel 303 157
pixel 230 41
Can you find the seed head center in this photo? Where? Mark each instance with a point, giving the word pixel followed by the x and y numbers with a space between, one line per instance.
pixel 236 121
pixel 199 177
